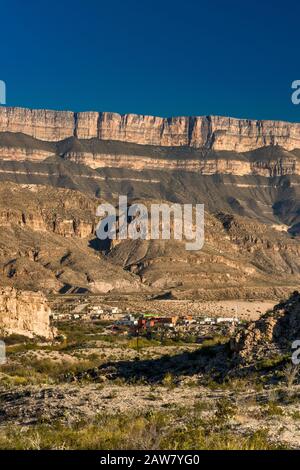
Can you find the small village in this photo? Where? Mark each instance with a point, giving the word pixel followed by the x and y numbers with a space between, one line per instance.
pixel 122 322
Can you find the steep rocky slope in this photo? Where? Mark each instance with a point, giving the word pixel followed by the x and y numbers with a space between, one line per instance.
pixel 239 259
pixel 263 184
pixel 272 160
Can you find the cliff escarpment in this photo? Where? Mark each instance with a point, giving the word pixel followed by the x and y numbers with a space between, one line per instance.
pixel 219 133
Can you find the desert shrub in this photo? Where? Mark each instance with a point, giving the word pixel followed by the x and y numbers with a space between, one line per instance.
pixel 105 433
pixel 211 347
pixel 169 381
pixel 201 405
pixel 271 363
pixel 152 397
pixel 141 343
pixel 200 439
pixel 17 339
pixel 295 415
pixel 225 410
pixel 272 409
pixel 36 371
pixel 291 373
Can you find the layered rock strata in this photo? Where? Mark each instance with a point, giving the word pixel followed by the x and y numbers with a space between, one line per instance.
pixel 220 133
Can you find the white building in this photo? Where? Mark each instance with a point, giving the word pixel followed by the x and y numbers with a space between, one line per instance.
pixel 95 309
pixel 115 310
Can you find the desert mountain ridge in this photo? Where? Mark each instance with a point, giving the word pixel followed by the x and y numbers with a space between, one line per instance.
pixel 56 167
pixel 214 132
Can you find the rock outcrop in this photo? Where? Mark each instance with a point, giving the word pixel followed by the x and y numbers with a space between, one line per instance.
pixel 220 133
pixel 24 313
pixel 271 335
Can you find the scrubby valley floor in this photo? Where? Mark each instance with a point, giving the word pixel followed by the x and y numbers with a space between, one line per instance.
pixel 93 390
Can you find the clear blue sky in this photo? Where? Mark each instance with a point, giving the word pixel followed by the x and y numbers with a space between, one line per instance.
pixel 164 57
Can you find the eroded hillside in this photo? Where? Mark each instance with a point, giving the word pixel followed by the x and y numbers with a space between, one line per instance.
pixel 48 242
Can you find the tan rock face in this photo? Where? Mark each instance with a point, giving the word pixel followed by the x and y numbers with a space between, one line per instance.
pixel 220 133
pixel 24 313
pixel 39 123
pixel 202 166
pixel 21 154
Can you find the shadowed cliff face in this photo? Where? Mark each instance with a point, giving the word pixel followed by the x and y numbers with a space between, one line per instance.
pixel 220 133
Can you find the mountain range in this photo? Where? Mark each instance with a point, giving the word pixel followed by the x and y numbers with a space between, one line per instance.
pixel 55 168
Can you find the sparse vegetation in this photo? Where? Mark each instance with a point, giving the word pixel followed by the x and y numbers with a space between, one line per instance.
pixel 185 395
pixel 225 410
pixel 273 409
pixel 291 373
pixel 272 362
pixel 157 430
pixel 169 381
